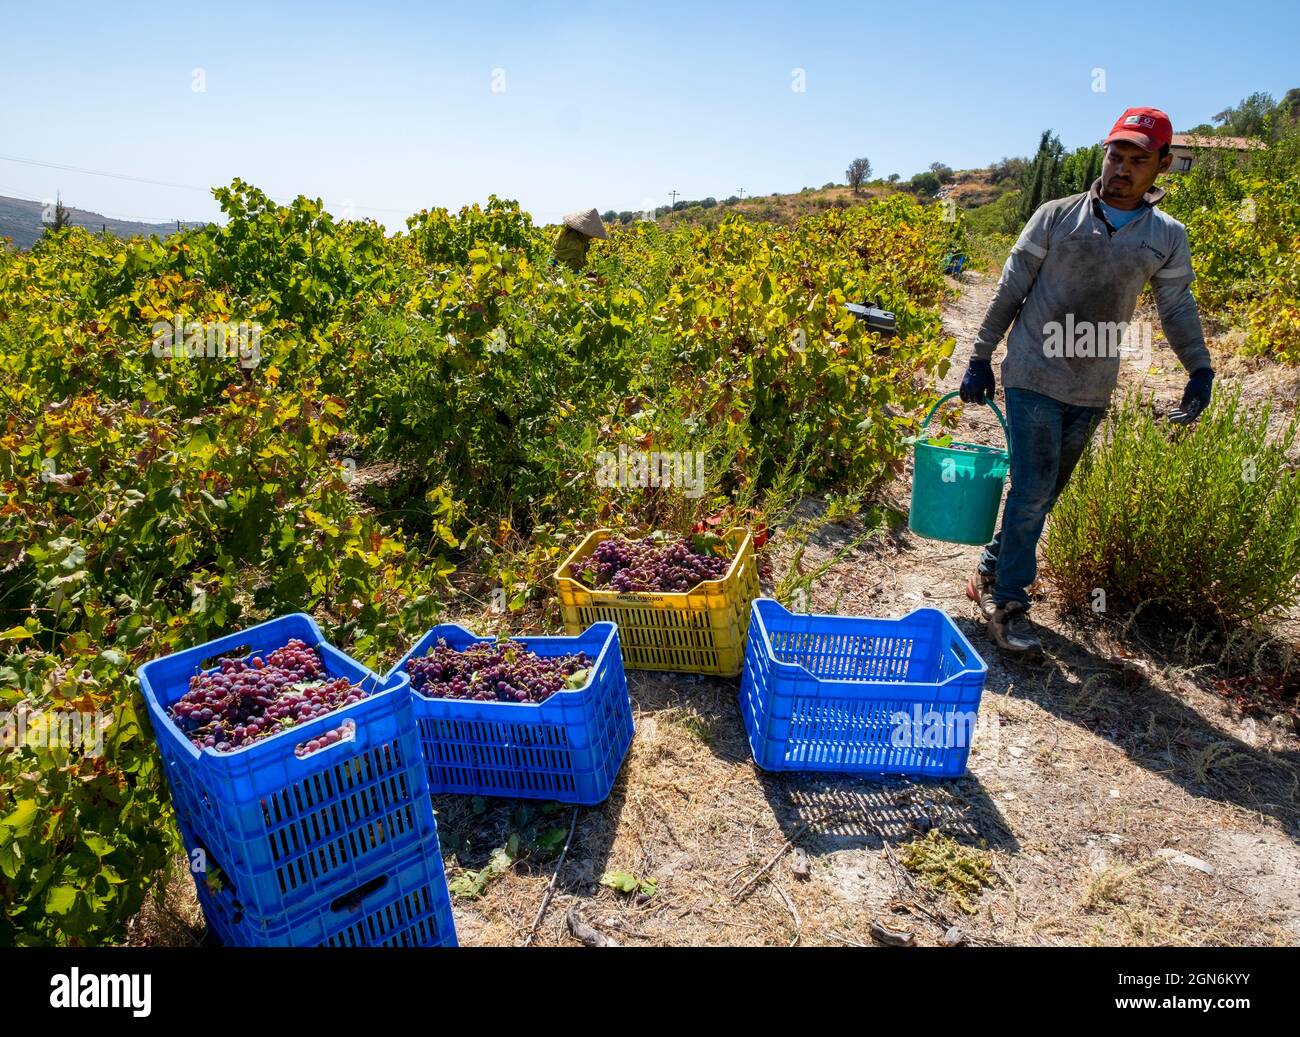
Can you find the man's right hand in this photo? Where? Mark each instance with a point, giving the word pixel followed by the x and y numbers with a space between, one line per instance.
pixel 977 386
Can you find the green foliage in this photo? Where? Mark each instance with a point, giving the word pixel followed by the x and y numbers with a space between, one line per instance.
pixel 925 184
pixel 472 884
pixel 1259 116
pixel 628 884
pixel 993 228
pixel 1243 223
pixel 1079 169
pixel 1203 521
pixel 507 379
pixel 1008 169
pixel 446 240
pixel 1054 173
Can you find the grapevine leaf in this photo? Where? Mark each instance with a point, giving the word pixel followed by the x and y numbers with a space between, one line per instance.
pixel 21 818
pixel 552 839
pixel 622 881
pixel 708 543
pixel 578 679
pixel 59 900
pixel 97 844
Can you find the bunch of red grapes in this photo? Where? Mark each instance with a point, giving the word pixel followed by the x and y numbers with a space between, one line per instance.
pixel 645 565
pixel 243 701
pixel 493 672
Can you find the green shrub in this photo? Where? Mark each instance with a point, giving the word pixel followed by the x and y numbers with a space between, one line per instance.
pixel 1001 216
pixel 1243 223
pixel 925 184
pixel 1203 521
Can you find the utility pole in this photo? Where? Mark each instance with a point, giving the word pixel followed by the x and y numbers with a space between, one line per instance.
pixel 674 197
pixel 742 194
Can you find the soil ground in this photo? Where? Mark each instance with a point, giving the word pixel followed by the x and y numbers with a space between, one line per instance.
pixel 1112 795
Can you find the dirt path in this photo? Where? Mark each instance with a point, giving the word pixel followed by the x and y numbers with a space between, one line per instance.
pixel 1121 801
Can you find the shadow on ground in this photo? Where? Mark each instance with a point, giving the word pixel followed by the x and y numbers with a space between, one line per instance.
pixel 1117 699
pixel 472 828
pixel 829 813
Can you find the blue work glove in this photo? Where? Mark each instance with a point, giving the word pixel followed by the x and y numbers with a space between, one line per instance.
pixel 977 386
pixel 1196 397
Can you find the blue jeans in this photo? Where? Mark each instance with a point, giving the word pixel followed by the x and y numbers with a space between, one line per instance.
pixel 1047 439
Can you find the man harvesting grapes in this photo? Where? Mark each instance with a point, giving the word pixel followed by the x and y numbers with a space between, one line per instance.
pixel 1079 265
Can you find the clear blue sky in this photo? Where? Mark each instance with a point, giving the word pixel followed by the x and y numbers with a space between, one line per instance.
pixel 391 106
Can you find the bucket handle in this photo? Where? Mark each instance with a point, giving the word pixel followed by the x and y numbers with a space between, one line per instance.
pixel 1001 421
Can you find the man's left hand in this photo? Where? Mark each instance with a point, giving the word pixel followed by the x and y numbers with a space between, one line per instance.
pixel 1196 397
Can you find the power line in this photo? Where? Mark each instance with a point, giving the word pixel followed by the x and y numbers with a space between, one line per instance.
pixel 170 183
pixel 100 172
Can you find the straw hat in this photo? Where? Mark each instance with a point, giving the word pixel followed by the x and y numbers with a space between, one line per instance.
pixel 587 223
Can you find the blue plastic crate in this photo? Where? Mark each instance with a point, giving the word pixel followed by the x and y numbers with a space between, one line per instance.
pixel 857 695
pixel 403 904
pixel 568 748
pixel 288 832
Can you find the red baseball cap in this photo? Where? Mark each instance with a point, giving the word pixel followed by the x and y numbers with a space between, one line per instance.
pixel 1148 128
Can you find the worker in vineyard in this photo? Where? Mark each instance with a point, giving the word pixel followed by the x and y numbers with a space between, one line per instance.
pixel 575 236
pixel 1079 264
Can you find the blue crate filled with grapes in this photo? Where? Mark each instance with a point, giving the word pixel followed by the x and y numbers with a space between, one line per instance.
pixel 295 771
pixel 532 718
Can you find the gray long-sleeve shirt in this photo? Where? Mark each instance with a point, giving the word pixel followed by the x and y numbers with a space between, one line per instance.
pixel 1071 284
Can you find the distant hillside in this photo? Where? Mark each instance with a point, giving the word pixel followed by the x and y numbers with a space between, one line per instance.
pixel 970 188
pixel 775 208
pixel 20 219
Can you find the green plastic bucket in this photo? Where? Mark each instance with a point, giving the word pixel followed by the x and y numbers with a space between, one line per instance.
pixel 957 489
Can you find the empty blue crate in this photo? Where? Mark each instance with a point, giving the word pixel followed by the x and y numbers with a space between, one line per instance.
pixel 287 832
pixel 568 748
pixel 405 904
pixel 857 695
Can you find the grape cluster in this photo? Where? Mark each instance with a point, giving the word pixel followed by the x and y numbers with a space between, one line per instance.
pixel 644 565
pixel 243 701
pixel 344 730
pixel 493 672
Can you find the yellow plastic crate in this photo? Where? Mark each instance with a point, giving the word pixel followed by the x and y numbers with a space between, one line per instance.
pixel 697 631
